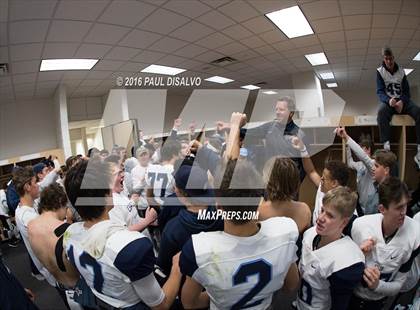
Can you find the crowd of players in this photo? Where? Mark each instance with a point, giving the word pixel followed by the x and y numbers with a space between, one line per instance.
pixel 115 232
pixel 124 233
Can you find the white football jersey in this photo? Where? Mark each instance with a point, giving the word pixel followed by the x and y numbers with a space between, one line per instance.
pixel 388 257
pixel 123 211
pixel 4 209
pixel 317 267
pixel 393 82
pixel 160 178
pixel 414 274
pixel 242 272
pixel 123 275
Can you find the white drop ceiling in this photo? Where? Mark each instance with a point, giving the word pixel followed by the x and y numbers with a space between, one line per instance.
pixel 127 36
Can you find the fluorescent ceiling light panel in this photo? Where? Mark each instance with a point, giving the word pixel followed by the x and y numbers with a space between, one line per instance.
pixel 219 79
pixel 408 71
pixel 162 70
pixel 417 57
pixel 317 59
pixel 331 85
pixel 67 64
pixel 250 87
pixel 269 92
pixel 327 75
pixel 291 22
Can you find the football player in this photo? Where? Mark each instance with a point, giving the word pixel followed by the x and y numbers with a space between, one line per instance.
pixel 396 239
pixel 331 265
pixel 117 264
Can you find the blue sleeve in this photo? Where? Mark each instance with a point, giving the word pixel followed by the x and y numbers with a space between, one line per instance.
pixel 136 260
pixel 187 262
pixel 12 198
pixel 380 88
pixel 405 90
pixel 342 284
pixel 167 250
pixel 406 267
pixel 208 160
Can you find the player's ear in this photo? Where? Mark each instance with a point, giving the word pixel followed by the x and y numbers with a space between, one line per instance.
pixel 381 208
pixel 386 170
pixel 344 222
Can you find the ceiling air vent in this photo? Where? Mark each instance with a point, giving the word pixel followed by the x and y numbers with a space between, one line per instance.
pixel 224 61
pixel 4 69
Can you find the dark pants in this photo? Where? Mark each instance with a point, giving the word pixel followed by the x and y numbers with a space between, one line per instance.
pixel 385 114
pixel 357 303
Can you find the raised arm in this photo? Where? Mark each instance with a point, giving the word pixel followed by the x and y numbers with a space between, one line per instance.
pixel 308 165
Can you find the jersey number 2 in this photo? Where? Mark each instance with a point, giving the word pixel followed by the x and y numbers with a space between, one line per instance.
pixel 263 270
pixel 86 260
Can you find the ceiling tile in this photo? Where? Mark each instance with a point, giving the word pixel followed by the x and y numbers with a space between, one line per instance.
pixel 25 87
pixel 192 31
pixel 3 34
pixel 187 8
pixel 242 56
pixel 305 41
pixel 148 57
pixel 28 31
pixel 154 21
pixel 355 7
pixel 268 6
pixel 25 66
pixel 320 9
pixel 357 44
pixel 20 10
pixel 408 21
pixel 132 66
pixel 327 25
pixel 258 25
pixel 190 64
pixel 378 43
pixel 253 42
pixel 386 6
pixel 215 20
pixel 273 36
pixel 237 32
pixel 357 21
pixel 50 76
pixel 360 34
pixel 190 51
pixel 380 33
pixel 93 74
pixel 334 46
pixel 140 39
pixel 75 75
pixel 274 57
pixel 397 42
pixel 92 50
pixel 126 12
pixel 25 51
pixel 214 40
pixel 215 3
pixel 411 8
pixel 108 65
pixel 24 78
pixel 67 31
pixel 311 49
pixel 59 50
pixel 232 48
pixel 167 45
pixel 329 37
pixel 284 46
pixel 384 21
pixel 171 60
pixel 87 10
pixel 209 56
pixel 403 34
pixel 239 10
pixel 106 34
pixel 4 54
pixel 122 53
